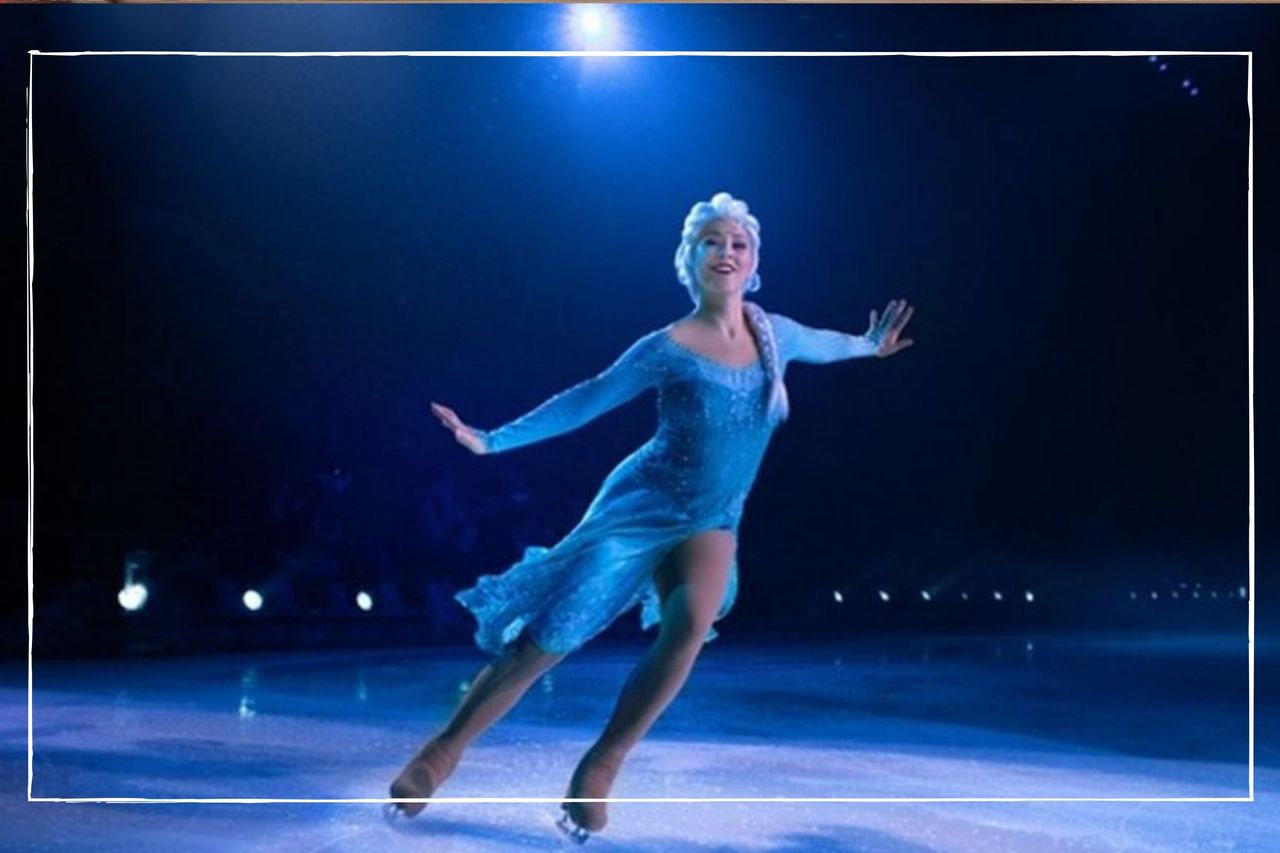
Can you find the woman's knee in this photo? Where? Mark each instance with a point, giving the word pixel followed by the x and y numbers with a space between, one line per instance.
pixel 686 618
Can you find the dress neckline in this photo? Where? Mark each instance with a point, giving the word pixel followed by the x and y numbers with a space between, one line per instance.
pixel 735 368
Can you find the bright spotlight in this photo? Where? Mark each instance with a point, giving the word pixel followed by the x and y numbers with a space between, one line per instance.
pixel 1031 596
pixel 1242 592
pixel 924 593
pixel 132 597
pixel 884 596
pixel 593 26
pixel 838 597
pixel 998 595
pixel 252 599
pixel 364 601
pixel 591 21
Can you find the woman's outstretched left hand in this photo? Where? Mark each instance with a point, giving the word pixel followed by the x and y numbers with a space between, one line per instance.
pixel 884 331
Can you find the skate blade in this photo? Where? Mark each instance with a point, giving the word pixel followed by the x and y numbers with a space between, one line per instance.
pixel 571 830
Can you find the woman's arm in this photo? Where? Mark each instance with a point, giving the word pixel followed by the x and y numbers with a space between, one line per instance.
pixel 797 342
pixel 632 373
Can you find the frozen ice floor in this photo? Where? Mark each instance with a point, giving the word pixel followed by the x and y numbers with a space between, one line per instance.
pixel 1044 716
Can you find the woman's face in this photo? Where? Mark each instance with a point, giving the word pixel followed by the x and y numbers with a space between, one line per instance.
pixel 724 257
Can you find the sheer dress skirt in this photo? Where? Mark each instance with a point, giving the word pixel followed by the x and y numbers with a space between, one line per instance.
pixel 564 595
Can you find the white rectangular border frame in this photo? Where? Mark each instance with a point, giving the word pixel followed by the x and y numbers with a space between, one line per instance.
pixel 619 53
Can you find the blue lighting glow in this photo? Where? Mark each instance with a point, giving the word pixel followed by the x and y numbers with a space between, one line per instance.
pixel 364 601
pixel 252 599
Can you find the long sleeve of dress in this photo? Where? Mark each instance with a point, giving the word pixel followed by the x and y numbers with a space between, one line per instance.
pixel 631 374
pixel 797 342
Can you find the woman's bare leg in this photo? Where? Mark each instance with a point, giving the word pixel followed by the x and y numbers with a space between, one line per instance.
pixel 691 582
pixel 493 692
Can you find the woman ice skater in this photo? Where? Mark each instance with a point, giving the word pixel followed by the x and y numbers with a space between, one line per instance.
pixel 663 529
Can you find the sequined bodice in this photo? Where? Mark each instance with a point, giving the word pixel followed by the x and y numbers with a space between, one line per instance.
pixel 712 428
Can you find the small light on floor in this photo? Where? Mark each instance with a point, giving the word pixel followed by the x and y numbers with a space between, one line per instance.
pixel 132 597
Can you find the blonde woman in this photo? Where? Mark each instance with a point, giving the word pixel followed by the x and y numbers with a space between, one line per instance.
pixel 663 530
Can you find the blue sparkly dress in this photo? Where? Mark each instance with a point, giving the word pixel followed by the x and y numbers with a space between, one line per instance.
pixel 693 475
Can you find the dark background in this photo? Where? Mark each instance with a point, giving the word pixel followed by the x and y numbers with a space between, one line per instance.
pixel 253 273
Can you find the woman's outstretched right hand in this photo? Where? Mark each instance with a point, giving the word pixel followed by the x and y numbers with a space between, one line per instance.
pixel 468 437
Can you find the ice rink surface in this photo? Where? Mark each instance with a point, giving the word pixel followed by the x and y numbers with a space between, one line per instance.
pixel 963 716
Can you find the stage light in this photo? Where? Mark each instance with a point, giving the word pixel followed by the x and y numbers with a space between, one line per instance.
pixel 1174 594
pixel 1195 594
pixel 1186 84
pixel 132 597
pixel 1164 66
pixel 1031 596
pixel 838 597
pixel 1154 595
pixel 998 595
pixel 1213 594
pixel 924 593
pixel 1153 58
pixel 252 599
pixel 1243 593
pixel 964 596
pixel 884 596
pixel 593 26
pixel 1194 91
pixel 590 21
pixel 364 601
pixel 1133 596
